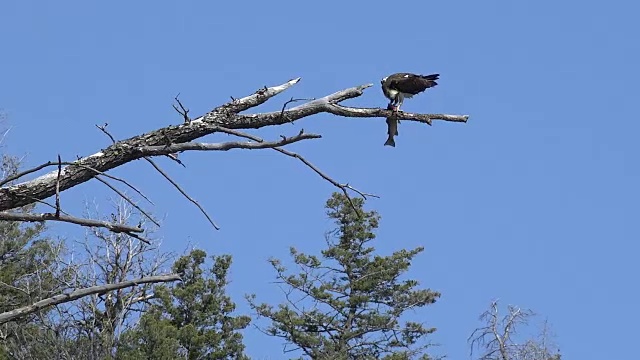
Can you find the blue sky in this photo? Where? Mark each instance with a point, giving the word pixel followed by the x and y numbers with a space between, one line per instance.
pixel 532 201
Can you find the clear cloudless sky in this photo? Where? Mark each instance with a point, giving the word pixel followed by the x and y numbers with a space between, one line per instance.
pixel 534 201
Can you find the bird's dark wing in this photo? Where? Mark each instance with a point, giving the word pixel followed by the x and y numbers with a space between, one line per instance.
pixel 413 84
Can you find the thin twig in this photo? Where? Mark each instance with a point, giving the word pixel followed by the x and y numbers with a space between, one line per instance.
pixel 15 288
pixel 284 106
pixel 4 135
pixel 117 179
pixel 126 198
pixel 49 205
pixel 342 187
pixel 184 112
pixel 136 236
pixel 26 172
pixel 58 186
pixel 166 176
pixel 113 178
pixel 174 157
pixel 103 128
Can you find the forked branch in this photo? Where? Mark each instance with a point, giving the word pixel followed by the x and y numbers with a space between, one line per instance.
pixel 495 338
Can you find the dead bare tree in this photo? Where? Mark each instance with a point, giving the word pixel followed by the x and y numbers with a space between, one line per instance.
pixel 168 141
pixel 111 277
pixel 498 339
pixel 115 258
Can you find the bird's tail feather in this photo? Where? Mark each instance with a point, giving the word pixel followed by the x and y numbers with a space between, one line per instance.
pixel 431 77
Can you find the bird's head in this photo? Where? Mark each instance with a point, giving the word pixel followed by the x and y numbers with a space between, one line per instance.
pixel 383 80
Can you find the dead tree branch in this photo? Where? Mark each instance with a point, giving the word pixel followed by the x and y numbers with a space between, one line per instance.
pixel 52 163
pixel 329 104
pixel 130 201
pixel 184 193
pixel 220 119
pixel 495 339
pixel 184 112
pixel 74 295
pixel 167 149
pixel 118 228
pixel 26 172
pixel 342 187
pixel 103 128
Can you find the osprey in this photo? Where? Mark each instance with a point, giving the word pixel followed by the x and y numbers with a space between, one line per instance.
pixel 399 86
pixel 396 88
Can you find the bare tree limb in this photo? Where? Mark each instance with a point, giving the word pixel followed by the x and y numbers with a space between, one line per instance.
pixel 136 236
pixel 342 187
pixel 126 183
pixel 74 295
pixel 372 112
pixel 23 173
pixel 175 184
pixel 126 198
pixel 255 99
pixel 329 104
pixel 167 149
pixel 223 117
pixel 51 163
pixel 118 228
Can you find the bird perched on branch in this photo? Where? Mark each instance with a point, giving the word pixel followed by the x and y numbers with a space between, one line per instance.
pixel 396 88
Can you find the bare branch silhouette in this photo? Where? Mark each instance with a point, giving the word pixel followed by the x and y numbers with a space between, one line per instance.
pixel 74 295
pixel 173 139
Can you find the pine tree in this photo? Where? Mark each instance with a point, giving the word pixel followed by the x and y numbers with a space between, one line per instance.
pixel 28 272
pixel 350 299
pixel 191 319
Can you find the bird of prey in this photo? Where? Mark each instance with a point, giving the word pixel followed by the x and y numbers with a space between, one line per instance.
pixel 397 87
